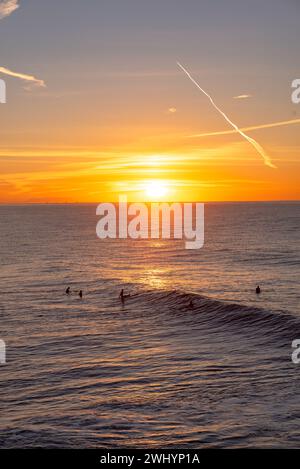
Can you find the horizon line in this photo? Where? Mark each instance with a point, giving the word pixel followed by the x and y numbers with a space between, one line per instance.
pixel 157 201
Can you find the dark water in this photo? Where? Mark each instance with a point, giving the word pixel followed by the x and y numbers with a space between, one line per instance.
pixel 152 372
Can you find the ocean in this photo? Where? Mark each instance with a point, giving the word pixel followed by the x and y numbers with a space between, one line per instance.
pixel 152 372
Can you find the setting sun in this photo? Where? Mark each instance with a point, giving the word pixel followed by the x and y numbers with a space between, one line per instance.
pixel 156 189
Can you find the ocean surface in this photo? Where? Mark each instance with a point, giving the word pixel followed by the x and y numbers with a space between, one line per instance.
pixel 151 372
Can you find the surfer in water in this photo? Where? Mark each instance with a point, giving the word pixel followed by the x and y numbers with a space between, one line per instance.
pixel 80 294
pixel 258 290
pixel 122 296
pixel 68 291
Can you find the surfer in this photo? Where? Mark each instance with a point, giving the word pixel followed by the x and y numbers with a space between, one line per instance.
pixel 257 290
pixel 80 294
pixel 122 296
pixel 68 291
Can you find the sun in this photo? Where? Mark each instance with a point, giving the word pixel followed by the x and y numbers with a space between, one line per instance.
pixel 156 189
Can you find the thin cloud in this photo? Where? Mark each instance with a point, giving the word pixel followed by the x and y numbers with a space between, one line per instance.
pixel 30 79
pixel 242 96
pixel 7 7
pixel 253 127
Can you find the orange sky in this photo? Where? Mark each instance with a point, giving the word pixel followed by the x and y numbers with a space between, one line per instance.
pixel 87 120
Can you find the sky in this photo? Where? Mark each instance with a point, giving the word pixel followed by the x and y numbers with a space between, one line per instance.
pixel 97 107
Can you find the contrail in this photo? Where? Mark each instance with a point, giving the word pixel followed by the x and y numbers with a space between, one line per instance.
pixel 252 127
pixel 253 142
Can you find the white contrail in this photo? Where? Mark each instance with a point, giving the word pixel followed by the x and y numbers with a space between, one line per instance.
pixel 252 127
pixel 253 142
